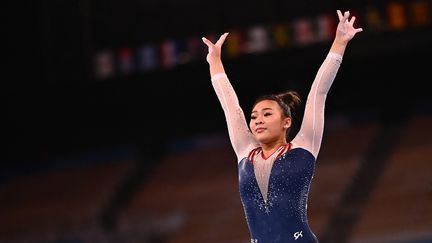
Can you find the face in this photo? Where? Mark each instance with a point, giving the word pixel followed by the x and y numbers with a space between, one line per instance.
pixel 268 123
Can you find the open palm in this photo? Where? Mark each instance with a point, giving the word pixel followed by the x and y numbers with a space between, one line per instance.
pixel 345 30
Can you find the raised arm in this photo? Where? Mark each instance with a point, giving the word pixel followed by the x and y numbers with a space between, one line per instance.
pixel 310 134
pixel 241 138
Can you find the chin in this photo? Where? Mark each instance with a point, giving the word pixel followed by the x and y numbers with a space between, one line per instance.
pixel 262 139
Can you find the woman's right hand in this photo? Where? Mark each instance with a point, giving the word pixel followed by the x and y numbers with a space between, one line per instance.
pixel 214 50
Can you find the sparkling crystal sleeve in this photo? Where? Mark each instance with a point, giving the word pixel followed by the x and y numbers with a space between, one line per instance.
pixel 240 136
pixel 310 134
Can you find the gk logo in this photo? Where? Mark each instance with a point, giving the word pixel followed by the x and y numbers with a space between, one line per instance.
pixel 298 234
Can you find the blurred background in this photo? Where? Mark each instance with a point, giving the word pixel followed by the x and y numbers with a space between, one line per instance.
pixel 113 131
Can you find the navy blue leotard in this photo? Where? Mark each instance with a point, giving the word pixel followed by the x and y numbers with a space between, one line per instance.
pixel 283 216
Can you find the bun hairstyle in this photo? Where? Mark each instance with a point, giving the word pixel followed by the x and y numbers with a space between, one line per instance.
pixel 291 101
pixel 288 101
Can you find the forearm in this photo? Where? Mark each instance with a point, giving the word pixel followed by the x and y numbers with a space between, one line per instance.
pixel 311 130
pixel 216 67
pixel 240 136
pixel 338 46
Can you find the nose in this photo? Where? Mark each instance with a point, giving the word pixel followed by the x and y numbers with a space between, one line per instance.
pixel 258 121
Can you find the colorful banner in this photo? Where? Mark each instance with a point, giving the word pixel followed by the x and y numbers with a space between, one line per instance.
pixel 302 31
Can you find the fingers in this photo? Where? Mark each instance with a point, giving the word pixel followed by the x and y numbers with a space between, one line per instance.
pixel 221 39
pixel 218 43
pixel 207 42
pixel 339 13
pixel 344 17
pixel 352 20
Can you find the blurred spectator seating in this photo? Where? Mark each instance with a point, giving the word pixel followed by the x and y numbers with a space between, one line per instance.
pixel 57 201
pixel 400 206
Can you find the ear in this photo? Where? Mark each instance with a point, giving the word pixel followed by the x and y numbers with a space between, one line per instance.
pixel 287 122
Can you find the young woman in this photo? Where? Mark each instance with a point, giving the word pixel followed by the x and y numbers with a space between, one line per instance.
pixel 274 173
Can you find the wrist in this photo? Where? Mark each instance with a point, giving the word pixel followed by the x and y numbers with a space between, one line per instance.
pixel 216 62
pixel 216 67
pixel 340 41
pixel 338 46
pixel 217 76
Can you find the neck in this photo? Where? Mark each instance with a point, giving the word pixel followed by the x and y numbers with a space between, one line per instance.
pixel 269 148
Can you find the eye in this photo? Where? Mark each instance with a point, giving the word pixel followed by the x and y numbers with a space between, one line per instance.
pixel 267 114
pixel 253 117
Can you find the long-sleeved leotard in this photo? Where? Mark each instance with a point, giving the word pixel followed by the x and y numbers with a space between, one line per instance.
pixel 274 191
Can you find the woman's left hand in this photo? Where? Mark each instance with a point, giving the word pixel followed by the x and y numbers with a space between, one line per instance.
pixel 345 30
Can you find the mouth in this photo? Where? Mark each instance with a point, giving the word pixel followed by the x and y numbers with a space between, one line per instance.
pixel 260 130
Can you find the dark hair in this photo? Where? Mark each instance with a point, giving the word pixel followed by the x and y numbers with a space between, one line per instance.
pixel 288 101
